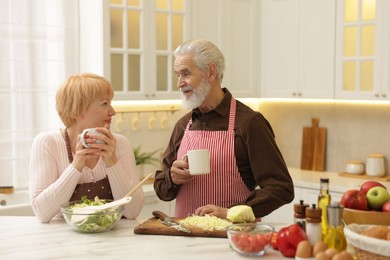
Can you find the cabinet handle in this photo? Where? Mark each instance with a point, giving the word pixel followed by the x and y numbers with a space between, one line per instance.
pixel 294 94
pixel 299 94
pixel 383 95
pixel 376 95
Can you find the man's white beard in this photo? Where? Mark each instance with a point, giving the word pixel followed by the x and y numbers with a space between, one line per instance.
pixel 198 96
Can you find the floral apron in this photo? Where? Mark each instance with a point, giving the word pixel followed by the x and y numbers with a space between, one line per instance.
pixel 224 186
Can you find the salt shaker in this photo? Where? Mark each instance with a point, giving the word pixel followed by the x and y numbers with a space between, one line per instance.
pixel 313 224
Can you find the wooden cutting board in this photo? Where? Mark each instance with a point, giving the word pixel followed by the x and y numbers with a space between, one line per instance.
pixel 154 226
pixel 313 147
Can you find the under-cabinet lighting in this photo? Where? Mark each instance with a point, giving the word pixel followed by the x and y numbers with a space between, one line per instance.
pixel 146 105
pixel 325 101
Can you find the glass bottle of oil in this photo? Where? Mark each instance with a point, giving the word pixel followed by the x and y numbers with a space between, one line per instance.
pixel 335 237
pixel 323 202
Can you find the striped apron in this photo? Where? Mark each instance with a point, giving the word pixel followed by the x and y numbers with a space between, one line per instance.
pixel 224 186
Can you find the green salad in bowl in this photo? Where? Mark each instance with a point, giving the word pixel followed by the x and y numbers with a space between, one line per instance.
pixel 98 221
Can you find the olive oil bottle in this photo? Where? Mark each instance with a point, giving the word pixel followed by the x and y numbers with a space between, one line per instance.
pixel 335 237
pixel 323 202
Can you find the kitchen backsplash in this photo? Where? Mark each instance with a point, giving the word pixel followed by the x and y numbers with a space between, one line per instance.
pixel 354 130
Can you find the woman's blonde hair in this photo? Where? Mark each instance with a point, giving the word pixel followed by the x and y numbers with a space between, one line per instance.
pixel 78 92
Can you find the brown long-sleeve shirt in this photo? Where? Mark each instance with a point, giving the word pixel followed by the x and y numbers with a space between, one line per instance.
pixel 258 158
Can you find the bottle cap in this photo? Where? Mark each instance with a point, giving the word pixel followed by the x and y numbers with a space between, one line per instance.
pixel 324 180
pixel 335 213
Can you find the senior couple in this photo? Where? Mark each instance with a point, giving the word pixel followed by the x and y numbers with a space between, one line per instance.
pixel 247 167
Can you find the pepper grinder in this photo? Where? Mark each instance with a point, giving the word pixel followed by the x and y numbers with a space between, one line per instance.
pixel 335 237
pixel 300 215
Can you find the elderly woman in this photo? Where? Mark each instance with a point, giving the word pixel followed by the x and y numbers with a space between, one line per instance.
pixel 62 170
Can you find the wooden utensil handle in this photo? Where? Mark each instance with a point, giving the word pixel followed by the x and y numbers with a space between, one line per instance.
pixel 160 215
pixel 138 185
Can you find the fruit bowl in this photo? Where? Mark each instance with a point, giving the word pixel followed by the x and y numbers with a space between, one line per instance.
pixel 251 239
pixel 98 221
pixel 366 217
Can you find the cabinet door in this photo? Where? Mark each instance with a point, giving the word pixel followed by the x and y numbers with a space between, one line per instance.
pixel 298 48
pixel 362 50
pixel 152 202
pixel 316 48
pixel 234 27
pixel 279 48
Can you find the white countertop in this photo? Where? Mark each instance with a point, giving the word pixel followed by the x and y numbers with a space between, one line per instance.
pixel 27 238
pixel 311 180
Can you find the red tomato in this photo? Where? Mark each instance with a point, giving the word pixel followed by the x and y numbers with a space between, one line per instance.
pixel 285 247
pixel 243 243
pixel 235 238
pixel 262 240
pixel 273 240
pixel 296 234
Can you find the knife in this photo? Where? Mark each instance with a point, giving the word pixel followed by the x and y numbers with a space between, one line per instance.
pixel 169 222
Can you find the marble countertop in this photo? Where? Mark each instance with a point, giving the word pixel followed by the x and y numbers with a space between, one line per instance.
pixel 27 238
pixel 337 183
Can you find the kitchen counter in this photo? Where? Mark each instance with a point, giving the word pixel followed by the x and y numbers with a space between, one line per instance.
pixel 27 238
pixel 311 179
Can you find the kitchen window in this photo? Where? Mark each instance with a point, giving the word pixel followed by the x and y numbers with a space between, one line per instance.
pixel 143 37
pixel 38 51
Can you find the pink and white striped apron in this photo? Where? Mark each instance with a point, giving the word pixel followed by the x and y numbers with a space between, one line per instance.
pixel 223 186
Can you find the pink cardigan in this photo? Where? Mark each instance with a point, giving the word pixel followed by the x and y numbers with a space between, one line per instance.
pixel 52 179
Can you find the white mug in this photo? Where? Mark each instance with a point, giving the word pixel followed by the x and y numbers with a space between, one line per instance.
pixel 90 131
pixel 375 165
pixel 198 161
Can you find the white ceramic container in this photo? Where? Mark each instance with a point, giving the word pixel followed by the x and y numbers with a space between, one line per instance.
pixel 354 167
pixel 375 165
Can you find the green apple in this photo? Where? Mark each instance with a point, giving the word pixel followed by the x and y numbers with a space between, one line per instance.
pixel 376 197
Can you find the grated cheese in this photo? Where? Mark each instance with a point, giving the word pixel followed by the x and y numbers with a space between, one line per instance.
pixel 206 222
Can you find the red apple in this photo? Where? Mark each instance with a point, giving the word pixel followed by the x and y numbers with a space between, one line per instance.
pixel 386 207
pixel 354 199
pixel 366 186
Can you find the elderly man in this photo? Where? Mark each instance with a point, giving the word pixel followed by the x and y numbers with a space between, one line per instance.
pixel 242 146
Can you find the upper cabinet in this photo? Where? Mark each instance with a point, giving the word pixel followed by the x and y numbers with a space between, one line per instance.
pixel 234 26
pixel 143 36
pixel 297 48
pixel 363 49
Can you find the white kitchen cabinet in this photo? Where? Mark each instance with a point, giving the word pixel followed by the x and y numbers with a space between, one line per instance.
pixel 284 214
pixel 233 25
pixel 152 202
pixel 363 50
pixel 297 48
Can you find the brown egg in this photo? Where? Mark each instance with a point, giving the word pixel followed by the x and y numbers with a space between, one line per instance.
pixel 343 256
pixel 319 247
pixel 331 252
pixel 322 256
pixel 304 249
